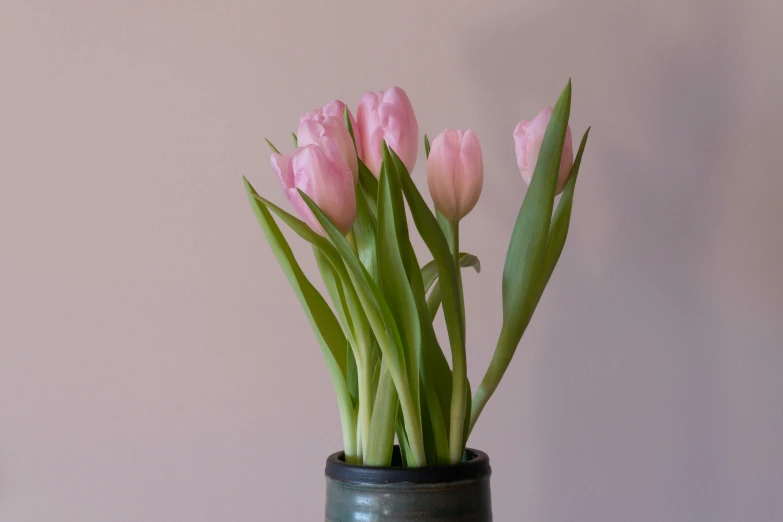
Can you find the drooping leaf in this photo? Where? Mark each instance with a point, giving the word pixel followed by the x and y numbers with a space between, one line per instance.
pixel 323 322
pixel 429 272
pixel 334 287
pixel 382 323
pixel 342 291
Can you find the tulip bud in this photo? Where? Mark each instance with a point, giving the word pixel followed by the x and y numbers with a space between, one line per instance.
pixel 325 179
pixel 455 172
pixel 528 137
pixel 326 127
pixel 387 116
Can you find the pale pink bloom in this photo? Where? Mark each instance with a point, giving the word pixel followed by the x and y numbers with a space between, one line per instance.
pixel 326 127
pixel 528 137
pixel 325 179
pixel 455 172
pixel 387 116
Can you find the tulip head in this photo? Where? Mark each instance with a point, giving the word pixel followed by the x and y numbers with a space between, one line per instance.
pixel 387 116
pixel 326 127
pixel 455 172
pixel 325 179
pixel 528 137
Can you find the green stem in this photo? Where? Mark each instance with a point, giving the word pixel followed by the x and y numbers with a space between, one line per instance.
pixel 365 406
pixel 351 240
pixel 384 415
pixel 413 426
pixel 497 367
pixel 459 365
pixel 348 423
pixel 412 421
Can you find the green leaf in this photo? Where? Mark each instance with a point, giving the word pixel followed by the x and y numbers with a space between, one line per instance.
pixel 558 230
pixel 436 242
pixel 335 289
pixel 358 319
pixel 524 268
pixel 274 149
pixel 426 146
pixel 435 378
pixel 429 272
pixel 382 426
pixel 382 323
pixel 365 231
pixel 527 248
pixel 468 408
pixel 349 126
pixel 352 379
pixel 351 313
pixel 445 226
pixel 393 252
pixel 323 322
pixel 301 228
pixel 295 140
pixel 369 184
pixel 434 300
pixel 406 453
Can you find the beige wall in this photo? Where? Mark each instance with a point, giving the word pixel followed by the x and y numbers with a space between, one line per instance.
pixel 154 365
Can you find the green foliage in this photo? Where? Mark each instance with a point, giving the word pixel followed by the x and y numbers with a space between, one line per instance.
pixel 389 370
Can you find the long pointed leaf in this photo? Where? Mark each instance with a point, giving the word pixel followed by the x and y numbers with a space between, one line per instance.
pixel 393 255
pixel 524 267
pixel 365 231
pixel 369 184
pixel 558 230
pixel 324 323
pixel 381 320
pixel 431 233
pixel 435 378
pixel 382 427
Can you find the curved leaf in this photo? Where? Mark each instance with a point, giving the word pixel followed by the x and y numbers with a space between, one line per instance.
pixel 431 233
pixel 381 321
pixel 325 325
pixel 429 272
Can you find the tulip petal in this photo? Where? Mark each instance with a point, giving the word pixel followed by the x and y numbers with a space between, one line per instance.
pixel 471 173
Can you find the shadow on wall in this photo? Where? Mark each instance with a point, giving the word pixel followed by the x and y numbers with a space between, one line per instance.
pixel 639 425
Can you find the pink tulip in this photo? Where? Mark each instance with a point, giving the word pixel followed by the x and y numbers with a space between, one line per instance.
pixel 326 180
pixel 387 116
pixel 326 127
pixel 528 137
pixel 455 172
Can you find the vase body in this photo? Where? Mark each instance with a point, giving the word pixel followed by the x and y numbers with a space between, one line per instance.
pixel 458 493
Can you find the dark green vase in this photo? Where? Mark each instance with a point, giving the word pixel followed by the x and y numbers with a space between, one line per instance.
pixel 396 494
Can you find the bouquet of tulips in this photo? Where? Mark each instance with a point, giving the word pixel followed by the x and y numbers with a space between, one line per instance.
pixel 350 182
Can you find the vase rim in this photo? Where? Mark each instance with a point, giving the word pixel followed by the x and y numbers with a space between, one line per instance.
pixel 475 466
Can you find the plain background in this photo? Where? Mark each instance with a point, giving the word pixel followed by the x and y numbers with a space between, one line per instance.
pixel 155 366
